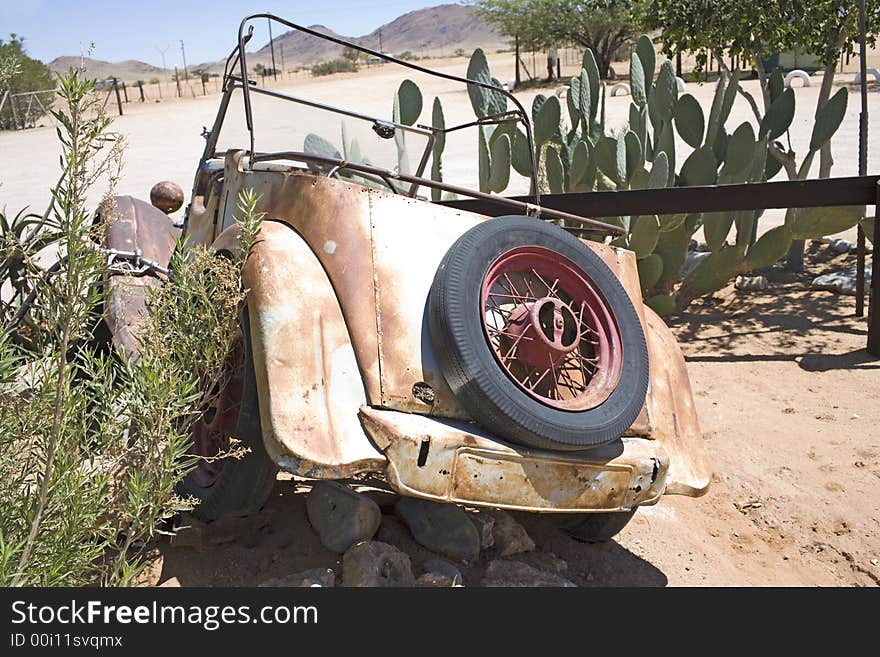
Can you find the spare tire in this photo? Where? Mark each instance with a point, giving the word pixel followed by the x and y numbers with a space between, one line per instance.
pixel 537 337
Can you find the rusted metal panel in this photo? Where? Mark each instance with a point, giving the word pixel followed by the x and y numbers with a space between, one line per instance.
pixel 410 238
pixel 134 226
pixel 451 462
pixel 307 375
pixel 673 415
pixel 332 216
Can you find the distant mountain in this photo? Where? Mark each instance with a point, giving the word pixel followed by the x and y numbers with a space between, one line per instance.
pixel 127 70
pixel 434 31
pixel 437 30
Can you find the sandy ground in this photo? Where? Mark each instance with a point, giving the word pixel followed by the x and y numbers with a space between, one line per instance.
pixel 784 390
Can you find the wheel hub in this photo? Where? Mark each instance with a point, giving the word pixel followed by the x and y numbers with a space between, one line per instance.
pixel 547 330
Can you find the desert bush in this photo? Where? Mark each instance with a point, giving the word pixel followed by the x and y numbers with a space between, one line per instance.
pixel 93 444
pixel 334 66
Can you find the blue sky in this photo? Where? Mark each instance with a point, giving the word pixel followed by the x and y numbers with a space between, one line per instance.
pixel 135 29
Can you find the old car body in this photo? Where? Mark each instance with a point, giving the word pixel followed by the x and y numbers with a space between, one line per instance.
pixel 346 372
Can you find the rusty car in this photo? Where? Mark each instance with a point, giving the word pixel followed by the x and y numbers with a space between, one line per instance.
pixel 500 360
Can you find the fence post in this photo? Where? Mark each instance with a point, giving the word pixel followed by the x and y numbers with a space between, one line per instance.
pixel 124 91
pixel 141 89
pixel 177 81
pixel 14 112
pixel 204 90
pixel 118 97
pixel 874 295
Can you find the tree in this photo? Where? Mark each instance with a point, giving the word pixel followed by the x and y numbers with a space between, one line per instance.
pixel 18 74
pixel 754 31
pixel 604 26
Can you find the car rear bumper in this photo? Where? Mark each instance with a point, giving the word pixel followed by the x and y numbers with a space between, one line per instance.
pixel 455 462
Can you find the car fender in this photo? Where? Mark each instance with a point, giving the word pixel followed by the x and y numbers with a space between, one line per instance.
pixel 134 226
pixel 308 381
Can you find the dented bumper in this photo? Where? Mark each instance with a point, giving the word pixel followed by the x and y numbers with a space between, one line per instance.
pixel 452 462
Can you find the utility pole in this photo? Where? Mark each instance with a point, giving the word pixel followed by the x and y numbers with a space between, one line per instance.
pixel 183 52
pixel 162 52
pixel 272 49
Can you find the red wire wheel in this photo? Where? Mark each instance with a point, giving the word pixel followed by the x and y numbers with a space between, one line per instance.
pixel 537 337
pixel 550 328
pixel 230 486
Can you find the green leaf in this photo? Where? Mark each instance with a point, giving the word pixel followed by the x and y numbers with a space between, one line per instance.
pixel 644 233
pixel 484 159
pixel 779 116
pixel 547 120
pixel 666 144
pixel 659 176
pixel 671 222
pixel 716 226
pixel 633 154
pixel 485 102
pixel 410 102
pixel 689 120
pixel 592 71
pixel 813 223
pixel 776 84
pixel 672 247
pixel 521 157
pixel 828 119
pixel 740 153
pixel 647 56
pixel 770 248
pixel 572 100
pixel 580 161
pixel 699 168
pixel 610 156
pixel 712 273
pixel 555 171
pixel 499 165
pixel 715 122
pixel 650 269
pixel 585 103
pixel 662 304
pixel 665 92
pixel 637 80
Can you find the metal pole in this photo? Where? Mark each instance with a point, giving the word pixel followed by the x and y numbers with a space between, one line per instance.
pixel 183 52
pixel 272 49
pixel 118 99
pixel 874 299
pixel 863 161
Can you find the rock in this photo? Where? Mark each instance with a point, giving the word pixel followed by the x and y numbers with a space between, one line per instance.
pixel 751 283
pixel 372 563
pixel 693 259
pixel 510 536
pixel 442 528
pixel 841 246
pixel 442 570
pixel 842 282
pixel 436 580
pixel 172 583
pixel 503 573
pixel 484 523
pixel 316 577
pixel 340 516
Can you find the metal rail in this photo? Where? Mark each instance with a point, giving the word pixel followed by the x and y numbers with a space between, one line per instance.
pixel 522 206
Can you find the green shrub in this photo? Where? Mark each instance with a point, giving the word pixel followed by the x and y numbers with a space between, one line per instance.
pixel 93 444
pixel 334 66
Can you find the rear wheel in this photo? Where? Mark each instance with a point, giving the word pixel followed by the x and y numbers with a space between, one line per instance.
pixel 230 486
pixel 596 527
pixel 537 337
